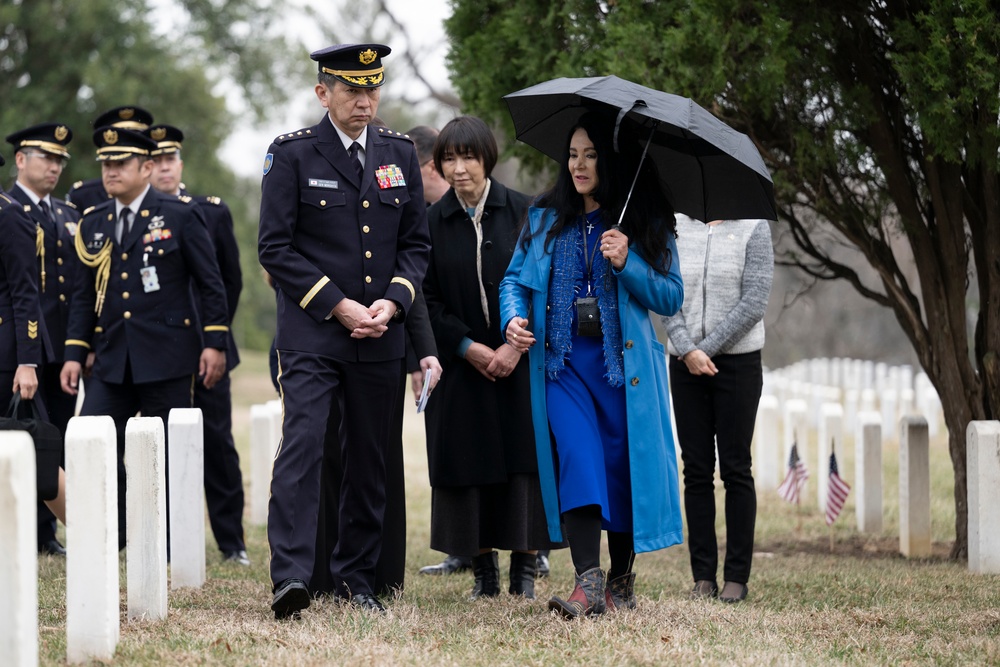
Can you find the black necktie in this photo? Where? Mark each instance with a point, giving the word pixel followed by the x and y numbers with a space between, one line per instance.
pixel 353 152
pixel 44 205
pixel 126 223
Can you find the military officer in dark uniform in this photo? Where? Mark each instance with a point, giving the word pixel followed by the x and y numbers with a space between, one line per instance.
pixel 40 155
pixel 91 192
pixel 343 233
pixel 143 253
pixel 223 479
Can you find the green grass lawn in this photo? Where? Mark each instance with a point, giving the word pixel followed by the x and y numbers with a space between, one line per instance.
pixel 859 604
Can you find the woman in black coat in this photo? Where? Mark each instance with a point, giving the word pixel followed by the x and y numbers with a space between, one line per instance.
pixel 481 455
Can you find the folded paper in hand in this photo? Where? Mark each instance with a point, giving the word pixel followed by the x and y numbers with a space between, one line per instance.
pixel 425 392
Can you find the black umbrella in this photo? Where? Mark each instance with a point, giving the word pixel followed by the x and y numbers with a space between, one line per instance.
pixel 708 170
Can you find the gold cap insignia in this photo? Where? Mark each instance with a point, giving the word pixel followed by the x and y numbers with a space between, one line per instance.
pixel 126 114
pixel 367 57
pixel 110 136
pixel 159 134
pixel 61 132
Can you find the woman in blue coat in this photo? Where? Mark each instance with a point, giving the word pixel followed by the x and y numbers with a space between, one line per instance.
pixel 585 287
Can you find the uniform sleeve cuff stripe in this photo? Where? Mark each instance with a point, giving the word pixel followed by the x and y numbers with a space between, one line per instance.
pixel 320 284
pixel 81 343
pixel 407 284
pixel 216 327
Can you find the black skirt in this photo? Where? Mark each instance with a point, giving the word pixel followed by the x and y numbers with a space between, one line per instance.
pixel 509 517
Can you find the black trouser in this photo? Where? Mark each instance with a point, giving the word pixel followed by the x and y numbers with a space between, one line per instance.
pixel 223 479
pixel 123 401
pixel 60 407
pixel 720 411
pixel 365 396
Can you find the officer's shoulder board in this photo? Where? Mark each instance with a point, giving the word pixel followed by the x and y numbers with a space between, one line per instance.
pixel 76 186
pixel 89 209
pixel 5 198
pixel 386 132
pixel 184 198
pixel 210 199
pixel 67 203
pixel 304 133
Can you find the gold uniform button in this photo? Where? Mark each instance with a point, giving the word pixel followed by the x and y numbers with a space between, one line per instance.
pixel 187 322
pixel 397 200
pixel 160 251
pixel 366 229
pixel 62 279
pixel 59 243
pixel 322 202
pixel 368 279
pixel 635 381
pixel 125 295
pixel 368 254
pixel 124 256
pixel 62 297
pixel 59 261
pixel 628 345
pixel 1 320
pixel 365 203
pixel 128 314
pixel 124 275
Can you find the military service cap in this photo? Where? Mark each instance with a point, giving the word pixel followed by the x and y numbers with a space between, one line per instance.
pixel 357 65
pixel 167 137
pixel 130 118
pixel 48 137
pixel 114 143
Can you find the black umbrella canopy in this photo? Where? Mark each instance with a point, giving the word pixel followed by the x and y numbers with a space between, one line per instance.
pixel 707 169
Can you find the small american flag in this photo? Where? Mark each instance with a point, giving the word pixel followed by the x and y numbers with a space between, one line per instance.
pixel 836 493
pixel 796 477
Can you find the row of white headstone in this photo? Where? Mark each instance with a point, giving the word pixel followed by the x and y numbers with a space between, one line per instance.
pixel 92 560
pixel 982 465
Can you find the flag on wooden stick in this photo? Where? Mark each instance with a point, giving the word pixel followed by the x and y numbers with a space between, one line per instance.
pixel 836 492
pixel 796 477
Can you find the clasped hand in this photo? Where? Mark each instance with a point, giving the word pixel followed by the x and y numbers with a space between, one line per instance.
pixel 363 322
pixel 492 364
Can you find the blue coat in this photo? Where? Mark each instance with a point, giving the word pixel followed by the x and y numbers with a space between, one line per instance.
pixel 656 510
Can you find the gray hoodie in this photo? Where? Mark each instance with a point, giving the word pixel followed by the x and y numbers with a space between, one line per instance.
pixel 727 270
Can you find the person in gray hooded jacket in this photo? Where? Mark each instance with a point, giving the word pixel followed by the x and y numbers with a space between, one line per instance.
pixel 715 380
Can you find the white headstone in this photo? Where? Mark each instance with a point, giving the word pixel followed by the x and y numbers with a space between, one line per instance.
pixel 831 434
pixel 18 555
pixel 93 627
pixel 146 519
pixel 187 501
pixel 983 467
pixel 914 488
pixel 768 467
pixel 889 402
pixel 868 472
pixel 262 447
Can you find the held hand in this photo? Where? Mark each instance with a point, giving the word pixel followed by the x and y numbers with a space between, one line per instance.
pixel 480 356
pixel 417 377
pixel 89 366
pixel 69 377
pixel 614 247
pixel 699 363
pixel 518 335
pixel 350 313
pixel 25 382
pixel 377 322
pixel 211 366
pixel 504 361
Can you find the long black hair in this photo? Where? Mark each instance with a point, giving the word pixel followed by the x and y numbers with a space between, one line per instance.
pixel 649 217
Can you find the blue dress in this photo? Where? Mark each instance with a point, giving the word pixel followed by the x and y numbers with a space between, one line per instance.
pixel 589 423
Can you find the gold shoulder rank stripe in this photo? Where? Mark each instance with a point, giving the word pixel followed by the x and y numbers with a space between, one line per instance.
pixel 320 284
pixel 407 284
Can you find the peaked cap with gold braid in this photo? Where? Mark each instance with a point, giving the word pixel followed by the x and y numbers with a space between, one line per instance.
pixel 357 65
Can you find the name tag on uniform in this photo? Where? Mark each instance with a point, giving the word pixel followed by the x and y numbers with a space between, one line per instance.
pixel 320 183
pixel 150 283
pixel 389 176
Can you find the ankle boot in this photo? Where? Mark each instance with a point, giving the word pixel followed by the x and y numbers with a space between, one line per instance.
pixel 620 592
pixel 587 598
pixel 487 571
pixel 522 574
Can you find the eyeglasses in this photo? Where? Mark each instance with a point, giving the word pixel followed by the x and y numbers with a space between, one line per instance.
pixel 60 160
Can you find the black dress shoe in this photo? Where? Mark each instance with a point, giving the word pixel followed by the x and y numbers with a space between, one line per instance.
pixel 450 565
pixel 733 592
pixel 365 601
pixel 290 597
pixel 52 548
pixel 239 557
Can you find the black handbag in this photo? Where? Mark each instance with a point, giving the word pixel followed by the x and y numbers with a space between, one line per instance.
pixel 48 443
